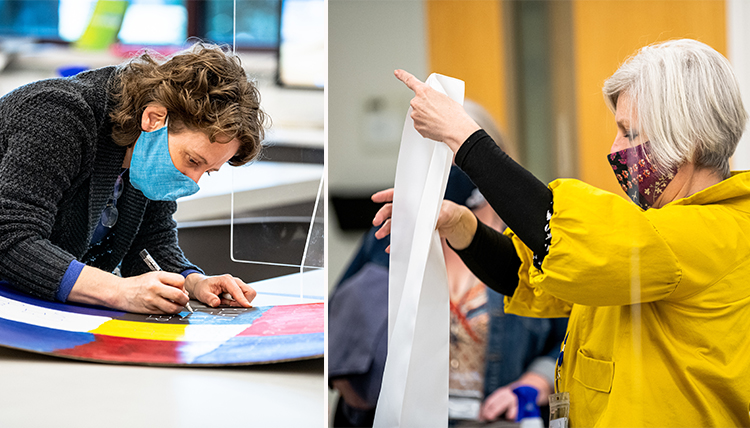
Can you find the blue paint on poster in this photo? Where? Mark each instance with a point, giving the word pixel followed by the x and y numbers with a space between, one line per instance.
pixel 251 349
pixel 208 318
pixel 40 339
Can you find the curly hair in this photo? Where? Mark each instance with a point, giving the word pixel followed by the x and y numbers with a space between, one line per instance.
pixel 203 88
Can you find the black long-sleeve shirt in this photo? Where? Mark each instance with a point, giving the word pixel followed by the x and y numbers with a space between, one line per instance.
pixel 519 198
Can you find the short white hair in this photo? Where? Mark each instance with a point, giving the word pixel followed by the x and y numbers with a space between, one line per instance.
pixel 687 101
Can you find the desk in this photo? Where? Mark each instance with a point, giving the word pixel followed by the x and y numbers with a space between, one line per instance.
pixel 42 391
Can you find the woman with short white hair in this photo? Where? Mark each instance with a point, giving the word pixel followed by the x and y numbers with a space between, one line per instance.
pixel 688 104
pixel 657 298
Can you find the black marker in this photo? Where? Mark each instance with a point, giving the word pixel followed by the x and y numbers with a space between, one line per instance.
pixel 155 267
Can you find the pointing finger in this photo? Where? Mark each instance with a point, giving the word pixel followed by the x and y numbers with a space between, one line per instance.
pixel 409 80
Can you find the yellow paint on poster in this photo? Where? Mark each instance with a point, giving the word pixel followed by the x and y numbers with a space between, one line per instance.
pixel 142 330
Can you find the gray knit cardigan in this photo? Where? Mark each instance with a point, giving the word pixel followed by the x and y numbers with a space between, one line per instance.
pixel 58 166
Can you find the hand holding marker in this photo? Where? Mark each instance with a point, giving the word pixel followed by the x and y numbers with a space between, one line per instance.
pixel 155 267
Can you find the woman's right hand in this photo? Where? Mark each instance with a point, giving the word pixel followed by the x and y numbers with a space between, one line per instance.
pixel 153 293
pixel 149 293
pixel 435 115
pixel 456 223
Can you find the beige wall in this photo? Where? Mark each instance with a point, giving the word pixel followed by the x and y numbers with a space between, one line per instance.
pixel 606 32
pixel 465 40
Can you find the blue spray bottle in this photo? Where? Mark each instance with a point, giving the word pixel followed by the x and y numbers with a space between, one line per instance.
pixel 528 411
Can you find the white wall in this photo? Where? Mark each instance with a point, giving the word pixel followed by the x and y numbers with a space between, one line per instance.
pixel 367 40
pixel 738 46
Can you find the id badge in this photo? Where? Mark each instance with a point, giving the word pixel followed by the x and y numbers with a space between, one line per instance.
pixel 464 405
pixel 559 410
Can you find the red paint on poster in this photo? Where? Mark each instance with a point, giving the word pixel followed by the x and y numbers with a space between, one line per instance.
pixel 124 349
pixel 289 319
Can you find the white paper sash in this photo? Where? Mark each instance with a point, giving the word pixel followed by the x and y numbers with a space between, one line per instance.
pixel 415 382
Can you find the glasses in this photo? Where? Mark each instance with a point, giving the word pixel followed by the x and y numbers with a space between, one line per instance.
pixel 109 215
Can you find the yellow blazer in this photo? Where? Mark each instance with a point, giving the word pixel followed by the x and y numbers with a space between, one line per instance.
pixel 659 305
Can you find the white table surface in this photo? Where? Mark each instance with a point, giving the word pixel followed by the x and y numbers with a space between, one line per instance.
pixel 308 287
pixel 42 391
pixel 256 186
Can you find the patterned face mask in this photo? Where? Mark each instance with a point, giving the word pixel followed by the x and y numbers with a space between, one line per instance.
pixel 637 176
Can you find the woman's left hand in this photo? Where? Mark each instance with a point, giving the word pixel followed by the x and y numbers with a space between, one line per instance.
pixel 435 115
pixel 210 290
pixel 455 222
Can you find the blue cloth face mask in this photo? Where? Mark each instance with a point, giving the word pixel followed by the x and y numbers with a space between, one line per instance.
pixel 153 172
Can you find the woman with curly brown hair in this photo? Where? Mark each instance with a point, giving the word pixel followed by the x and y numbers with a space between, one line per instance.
pixel 90 167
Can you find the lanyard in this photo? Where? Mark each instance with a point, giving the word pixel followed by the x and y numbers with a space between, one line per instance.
pixel 558 371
